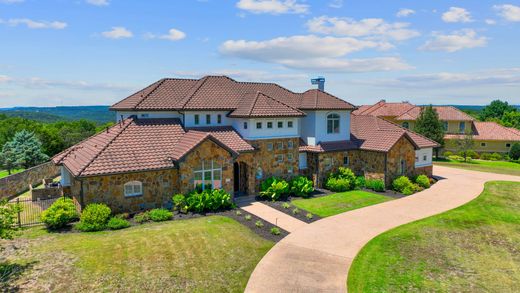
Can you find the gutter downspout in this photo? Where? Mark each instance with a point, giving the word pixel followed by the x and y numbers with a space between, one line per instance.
pixel 81 199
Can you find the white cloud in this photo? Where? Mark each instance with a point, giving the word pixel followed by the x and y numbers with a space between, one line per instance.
pixel 490 21
pixel 273 6
pixel 404 12
pixel 98 2
pixel 11 1
pixel 368 27
pixel 458 40
pixel 32 24
pixel 173 35
pixel 313 52
pixel 456 14
pixel 508 12
pixel 4 78
pixel 117 32
pixel 336 3
pixel 490 77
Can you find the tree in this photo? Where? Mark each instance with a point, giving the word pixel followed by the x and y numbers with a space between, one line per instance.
pixel 7 158
pixel 514 152
pixel 429 125
pixel 25 149
pixel 496 109
pixel 465 145
pixel 511 119
pixel 8 213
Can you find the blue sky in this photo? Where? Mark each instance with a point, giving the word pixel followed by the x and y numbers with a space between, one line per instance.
pixel 87 52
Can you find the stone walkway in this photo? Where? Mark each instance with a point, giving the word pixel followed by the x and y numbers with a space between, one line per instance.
pixel 271 215
pixel 316 257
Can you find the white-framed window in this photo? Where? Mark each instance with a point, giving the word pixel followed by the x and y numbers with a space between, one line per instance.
pixel 197 119
pixel 259 125
pixel 269 146
pixel 219 119
pixel 290 144
pixel 327 162
pixel 269 124
pixel 406 125
pixel 245 125
pixel 208 118
pixel 290 169
pixel 445 125
pixel 462 127
pixel 289 157
pixel 508 145
pixel 483 144
pixel 333 123
pixel 133 188
pixel 279 158
pixel 425 158
pixel 345 160
pixel 207 175
pixel 289 124
pixel 279 145
pixel 280 124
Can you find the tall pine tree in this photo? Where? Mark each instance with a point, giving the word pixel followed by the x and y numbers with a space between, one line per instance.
pixel 24 150
pixel 429 125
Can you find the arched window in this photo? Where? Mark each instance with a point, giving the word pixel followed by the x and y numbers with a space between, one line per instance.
pixel 333 123
pixel 133 188
pixel 406 125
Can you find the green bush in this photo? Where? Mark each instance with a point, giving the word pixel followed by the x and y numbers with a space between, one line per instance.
pixel 301 186
pixel 376 185
pixel 338 184
pixel 239 213
pixel 309 216
pixel 159 215
pixel 259 224
pixel 286 205
pixel 404 185
pixel 496 157
pixel 274 188
pixel 360 182
pixel 469 153
pixel 447 154
pixel 142 217
pixel 179 202
pixel 423 181
pixel 275 231
pixel 485 156
pixel 295 211
pixel 514 152
pixel 208 200
pixel 61 213
pixel 117 223
pixel 248 217
pixel 94 217
pixel 456 158
pixel 124 216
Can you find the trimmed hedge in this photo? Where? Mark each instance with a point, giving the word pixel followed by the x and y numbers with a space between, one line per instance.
pixel 61 213
pixel 94 217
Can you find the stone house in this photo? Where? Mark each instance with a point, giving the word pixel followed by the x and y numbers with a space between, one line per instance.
pixel 489 137
pixel 180 134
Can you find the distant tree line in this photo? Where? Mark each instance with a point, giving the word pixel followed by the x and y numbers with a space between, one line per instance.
pixel 25 143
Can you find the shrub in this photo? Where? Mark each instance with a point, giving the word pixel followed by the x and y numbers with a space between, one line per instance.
pixel 295 211
pixel 248 217
pixel 338 184
pixel 259 224
pixel 116 223
pixel 124 216
pixel 456 158
pixel 423 181
pixel 301 186
pixel 360 182
pixel 142 217
pixel 275 231
pixel 514 152
pixel 274 188
pixel 61 213
pixel 286 205
pixel 309 216
pixel 403 184
pixel 159 215
pixel 376 185
pixel 208 200
pixel 179 202
pixel 447 154
pixel 94 217
pixel 485 156
pixel 239 213
pixel 496 157
pixel 469 153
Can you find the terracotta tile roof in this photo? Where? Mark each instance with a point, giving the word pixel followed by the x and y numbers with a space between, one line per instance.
pixel 138 145
pixel 228 136
pixel 221 93
pixel 384 109
pixel 329 146
pixel 376 134
pixel 261 105
pixel 446 113
pixel 490 131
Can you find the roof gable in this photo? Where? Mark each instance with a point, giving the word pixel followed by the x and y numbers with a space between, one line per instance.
pixel 261 105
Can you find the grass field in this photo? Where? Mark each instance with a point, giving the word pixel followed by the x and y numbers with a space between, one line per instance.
pixel 339 202
pixel 206 254
pixel 474 248
pixel 500 167
pixel 4 173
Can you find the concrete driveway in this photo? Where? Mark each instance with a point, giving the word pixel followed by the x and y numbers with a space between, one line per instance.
pixel 317 257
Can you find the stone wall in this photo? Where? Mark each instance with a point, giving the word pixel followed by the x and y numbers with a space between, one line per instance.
pixel 265 162
pixel 158 188
pixel 427 170
pixel 13 185
pixel 402 150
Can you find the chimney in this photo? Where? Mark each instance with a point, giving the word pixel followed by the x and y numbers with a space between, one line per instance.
pixel 320 81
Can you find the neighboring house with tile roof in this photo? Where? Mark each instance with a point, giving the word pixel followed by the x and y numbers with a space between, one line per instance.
pixel 180 134
pixel 488 136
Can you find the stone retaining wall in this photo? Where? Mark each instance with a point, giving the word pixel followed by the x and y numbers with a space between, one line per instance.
pixel 15 184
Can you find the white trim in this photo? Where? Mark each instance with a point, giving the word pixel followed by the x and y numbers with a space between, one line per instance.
pixel 136 188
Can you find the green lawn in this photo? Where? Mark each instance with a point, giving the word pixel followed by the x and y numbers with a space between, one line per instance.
pixel 337 203
pixel 474 248
pixel 4 173
pixel 484 166
pixel 206 254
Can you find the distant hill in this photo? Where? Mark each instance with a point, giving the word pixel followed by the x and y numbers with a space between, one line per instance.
pixel 98 114
pixel 476 108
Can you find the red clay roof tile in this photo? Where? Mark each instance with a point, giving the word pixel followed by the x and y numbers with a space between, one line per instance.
pixel 490 131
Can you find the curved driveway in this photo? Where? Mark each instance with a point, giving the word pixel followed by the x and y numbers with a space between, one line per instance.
pixel 317 257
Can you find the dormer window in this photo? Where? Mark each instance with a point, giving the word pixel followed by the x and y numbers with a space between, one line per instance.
pixel 333 123
pixel 406 125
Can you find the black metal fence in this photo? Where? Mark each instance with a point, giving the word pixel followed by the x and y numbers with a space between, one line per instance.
pixel 30 211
